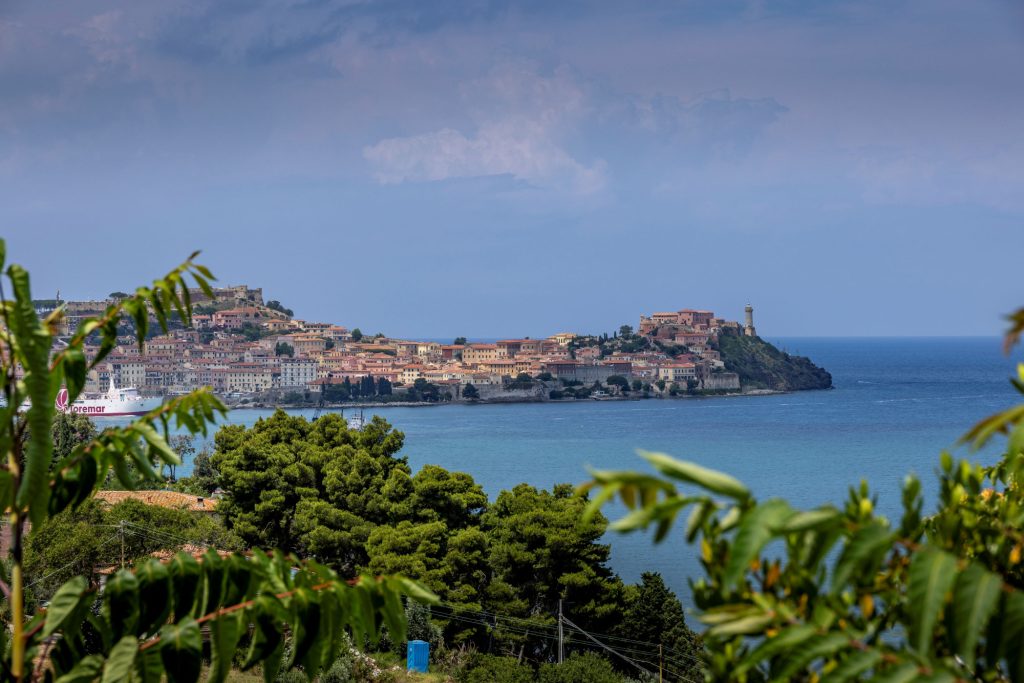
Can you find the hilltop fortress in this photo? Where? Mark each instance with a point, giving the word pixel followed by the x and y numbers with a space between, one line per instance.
pixel 698 324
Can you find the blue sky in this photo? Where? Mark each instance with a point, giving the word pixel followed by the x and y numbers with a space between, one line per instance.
pixel 497 168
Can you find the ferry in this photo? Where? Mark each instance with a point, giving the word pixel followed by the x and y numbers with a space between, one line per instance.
pixel 114 403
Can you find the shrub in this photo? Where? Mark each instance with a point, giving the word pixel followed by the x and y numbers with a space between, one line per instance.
pixel 588 667
pixel 490 669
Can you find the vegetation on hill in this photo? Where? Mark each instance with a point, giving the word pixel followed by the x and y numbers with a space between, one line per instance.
pixel 761 365
pixel 347 499
pixel 841 593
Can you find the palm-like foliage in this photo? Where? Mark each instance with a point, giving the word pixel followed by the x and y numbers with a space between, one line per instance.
pixel 146 622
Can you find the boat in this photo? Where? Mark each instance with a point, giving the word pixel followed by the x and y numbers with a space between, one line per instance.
pixel 114 403
pixel 357 421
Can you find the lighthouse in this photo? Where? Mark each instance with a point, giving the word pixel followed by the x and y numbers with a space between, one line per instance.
pixel 748 326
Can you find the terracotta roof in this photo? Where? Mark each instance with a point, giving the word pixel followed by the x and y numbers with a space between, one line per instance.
pixel 164 499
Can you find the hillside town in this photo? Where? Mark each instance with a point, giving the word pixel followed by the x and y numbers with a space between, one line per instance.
pixel 249 350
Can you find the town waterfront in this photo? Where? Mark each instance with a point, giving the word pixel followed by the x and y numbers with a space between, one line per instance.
pixel 896 404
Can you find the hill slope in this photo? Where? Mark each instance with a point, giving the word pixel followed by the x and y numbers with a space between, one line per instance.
pixel 761 365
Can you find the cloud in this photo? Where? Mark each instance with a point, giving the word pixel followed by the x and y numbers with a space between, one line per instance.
pixel 519 148
pixel 522 119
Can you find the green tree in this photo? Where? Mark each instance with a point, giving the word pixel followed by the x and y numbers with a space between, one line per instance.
pixel 654 615
pixel 317 489
pixel 625 331
pixel 70 430
pixel 470 392
pixel 357 334
pixel 459 341
pixel 275 305
pixel 618 381
pixel 204 479
pixel 284 349
pixel 541 553
pixel 789 594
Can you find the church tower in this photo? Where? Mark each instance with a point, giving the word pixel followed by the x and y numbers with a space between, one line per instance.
pixel 748 326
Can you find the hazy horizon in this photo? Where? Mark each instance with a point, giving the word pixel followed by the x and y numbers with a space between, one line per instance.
pixel 849 168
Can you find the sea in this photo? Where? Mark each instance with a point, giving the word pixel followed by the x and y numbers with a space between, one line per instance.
pixel 897 403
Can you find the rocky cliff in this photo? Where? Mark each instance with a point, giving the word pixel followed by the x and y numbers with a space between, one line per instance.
pixel 762 366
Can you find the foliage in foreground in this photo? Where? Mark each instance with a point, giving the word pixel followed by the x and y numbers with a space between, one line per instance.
pixel 146 623
pixel 842 593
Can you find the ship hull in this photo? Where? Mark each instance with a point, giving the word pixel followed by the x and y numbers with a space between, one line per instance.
pixel 102 408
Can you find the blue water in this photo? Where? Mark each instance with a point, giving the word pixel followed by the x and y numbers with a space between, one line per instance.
pixel 896 404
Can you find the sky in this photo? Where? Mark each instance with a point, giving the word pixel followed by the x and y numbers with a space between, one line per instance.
pixel 490 168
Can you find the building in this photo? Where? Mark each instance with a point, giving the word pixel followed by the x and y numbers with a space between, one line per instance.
pixel 297 372
pixel 678 372
pixel 474 354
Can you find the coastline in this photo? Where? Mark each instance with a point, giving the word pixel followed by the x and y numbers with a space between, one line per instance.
pixel 531 399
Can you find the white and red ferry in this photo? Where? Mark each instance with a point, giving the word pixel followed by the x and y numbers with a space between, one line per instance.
pixel 114 403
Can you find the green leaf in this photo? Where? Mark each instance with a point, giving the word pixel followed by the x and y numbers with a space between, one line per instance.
pixel 64 604
pixel 266 637
pixel 6 489
pixel 85 670
pixel 853 666
pixel 154 595
pixel 975 598
pixel 306 624
pixel 818 647
pixel 121 661
pixel 181 649
pixel 418 592
pixel 711 480
pixel 866 543
pixel 32 347
pixel 121 598
pixel 751 625
pixel 755 530
pixel 1013 634
pixel 811 519
pixel 930 578
pixel 185 576
pixel 225 632
pixel 771 647
pixel 902 673
pixel 148 667
pixel 75 368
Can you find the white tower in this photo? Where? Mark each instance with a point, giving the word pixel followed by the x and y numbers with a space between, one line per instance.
pixel 748 327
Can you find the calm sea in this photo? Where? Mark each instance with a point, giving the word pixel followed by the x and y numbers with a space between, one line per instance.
pixel 896 404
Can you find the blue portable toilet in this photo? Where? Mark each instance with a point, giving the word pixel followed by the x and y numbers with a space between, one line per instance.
pixel 418 656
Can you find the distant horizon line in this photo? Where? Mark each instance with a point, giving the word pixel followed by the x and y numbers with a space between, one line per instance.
pixel 471 338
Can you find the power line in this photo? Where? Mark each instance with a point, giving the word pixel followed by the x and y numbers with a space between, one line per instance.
pixel 72 563
pixel 617 654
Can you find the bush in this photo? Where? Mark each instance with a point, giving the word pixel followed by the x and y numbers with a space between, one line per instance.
pixel 293 676
pixel 555 394
pixel 588 667
pixel 340 671
pixel 490 669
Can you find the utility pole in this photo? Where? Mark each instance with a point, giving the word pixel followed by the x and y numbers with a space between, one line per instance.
pixel 561 652
pixel 661 664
